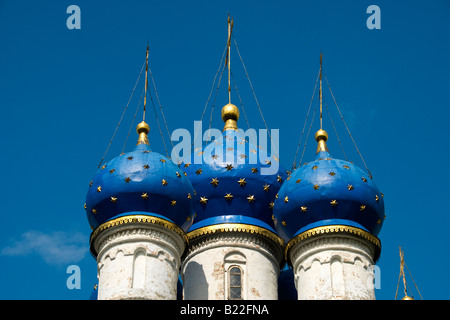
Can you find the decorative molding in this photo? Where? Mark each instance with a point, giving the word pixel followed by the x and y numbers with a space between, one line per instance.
pixel 235 227
pixel 136 219
pixel 230 238
pixel 345 248
pixel 335 230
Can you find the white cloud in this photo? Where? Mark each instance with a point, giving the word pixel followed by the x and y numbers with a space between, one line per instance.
pixel 55 248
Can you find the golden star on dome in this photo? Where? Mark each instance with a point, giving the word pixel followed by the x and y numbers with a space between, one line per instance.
pixel 199 171
pixel 229 167
pixel 243 156
pixel 315 167
pixel 103 167
pixel 276 196
pixel 362 207
pixel 279 179
pixel 350 187
pixel 254 170
pixel 173 203
pixel 178 174
pixel 187 165
pixel 316 187
pixel 283 223
pixel 242 182
pixel 333 203
pixel 203 200
pixel 164 182
pixel 266 187
pixel 364 179
pixel 214 182
pixel 346 166
pixel 146 166
pixel 378 221
pixel 130 158
pixel 90 183
pixel 215 156
pixel 112 170
pixel 99 189
pixel 85 206
pixel 268 162
pixel 286 199
pixel 94 211
pixel 332 173
pixel 271 205
pixel 251 198
pixel 144 196
pixel 304 209
pixel 189 196
pixel 298 181
pixel 162 160
pixel 113 199
pixel 377 198
pixel 127 179
pixel 228 197
pixel 188 218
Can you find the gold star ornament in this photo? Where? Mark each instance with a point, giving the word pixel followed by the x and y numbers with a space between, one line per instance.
pixel 251 198
pixel 203 200
pixel 242 182
pixel 228 197
pixel 214 182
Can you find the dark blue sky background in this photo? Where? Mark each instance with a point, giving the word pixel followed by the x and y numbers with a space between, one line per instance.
pixel 63 91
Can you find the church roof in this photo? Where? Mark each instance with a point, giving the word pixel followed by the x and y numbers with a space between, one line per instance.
pixel 140 182
pixel 328 191
pixel 230 183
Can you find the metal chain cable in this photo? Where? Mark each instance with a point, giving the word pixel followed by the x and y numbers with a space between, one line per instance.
pixel 348 130
pixel 121 117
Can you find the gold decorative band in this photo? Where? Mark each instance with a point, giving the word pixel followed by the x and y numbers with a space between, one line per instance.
pixel 235 227
pixel 334 229
pixel 138 219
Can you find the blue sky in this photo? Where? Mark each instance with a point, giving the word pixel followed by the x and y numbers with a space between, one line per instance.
pixel 63 91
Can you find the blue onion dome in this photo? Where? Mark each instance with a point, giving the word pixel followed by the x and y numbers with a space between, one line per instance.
pixel 138 183
pixel 235 180
pixel 326 192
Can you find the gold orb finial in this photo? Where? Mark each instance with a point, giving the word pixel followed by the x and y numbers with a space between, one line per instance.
pixel 406 297
pixel 230 115
pixel 321 135
pixel 321 138
pixel 143 129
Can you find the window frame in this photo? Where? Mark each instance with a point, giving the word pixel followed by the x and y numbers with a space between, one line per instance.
pixel 241 274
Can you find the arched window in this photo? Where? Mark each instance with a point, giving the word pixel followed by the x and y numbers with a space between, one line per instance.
pixel 235 283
